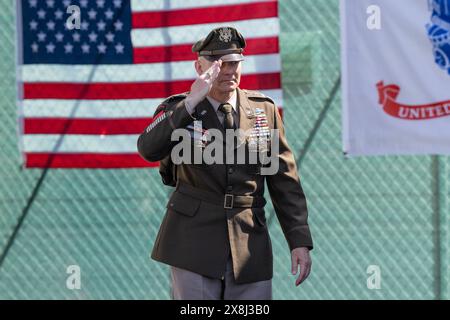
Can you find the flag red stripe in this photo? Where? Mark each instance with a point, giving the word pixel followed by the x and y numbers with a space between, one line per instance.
pixel 216 14
pixel 85 126
pixel 143 90
pixel 86 160
pixel 280 110
pixel 183 52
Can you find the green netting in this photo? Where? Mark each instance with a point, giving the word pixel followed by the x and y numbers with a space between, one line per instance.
pixel 387 211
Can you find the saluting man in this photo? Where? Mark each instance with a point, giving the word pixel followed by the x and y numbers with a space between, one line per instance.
pixel 214 233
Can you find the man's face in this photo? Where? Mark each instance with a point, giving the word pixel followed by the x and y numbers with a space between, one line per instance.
pixel 229 77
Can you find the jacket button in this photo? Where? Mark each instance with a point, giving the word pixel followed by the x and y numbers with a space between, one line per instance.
pixel 229 188
pixel 230 170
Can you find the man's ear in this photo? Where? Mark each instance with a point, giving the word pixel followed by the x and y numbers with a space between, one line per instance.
pixel 198 67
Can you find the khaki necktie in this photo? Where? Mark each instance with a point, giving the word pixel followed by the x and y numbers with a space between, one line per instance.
pixel 227 110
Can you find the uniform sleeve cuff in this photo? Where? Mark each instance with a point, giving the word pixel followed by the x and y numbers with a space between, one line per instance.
pixel 300 237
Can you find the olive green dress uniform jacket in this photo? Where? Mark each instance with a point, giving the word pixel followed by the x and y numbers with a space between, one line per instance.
pixel 197 232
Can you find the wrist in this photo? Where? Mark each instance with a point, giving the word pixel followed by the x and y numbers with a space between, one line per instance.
pixel 190 107
pixel 190 104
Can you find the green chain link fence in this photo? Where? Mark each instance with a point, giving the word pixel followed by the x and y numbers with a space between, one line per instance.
pixel 391 212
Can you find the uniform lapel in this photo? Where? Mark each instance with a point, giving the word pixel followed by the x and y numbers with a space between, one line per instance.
pixel 208 116
pixel 246 112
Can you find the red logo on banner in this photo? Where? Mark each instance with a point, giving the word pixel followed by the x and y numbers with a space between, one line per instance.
pixel 387 98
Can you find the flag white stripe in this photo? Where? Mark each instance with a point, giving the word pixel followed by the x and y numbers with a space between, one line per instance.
pixel 167 71
pixel 80 143
pixel 105 109
pixel 188 34
pixel 159 5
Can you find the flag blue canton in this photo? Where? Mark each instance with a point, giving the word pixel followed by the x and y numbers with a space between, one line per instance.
pixel 104 36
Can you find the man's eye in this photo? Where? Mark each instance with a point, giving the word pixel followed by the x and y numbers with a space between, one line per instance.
pixel 230 63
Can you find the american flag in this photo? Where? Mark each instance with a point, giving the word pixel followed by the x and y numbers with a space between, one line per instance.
pixel 86 94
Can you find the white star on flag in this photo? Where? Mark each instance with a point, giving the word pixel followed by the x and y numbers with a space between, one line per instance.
pixel 41 36
pixel 59 37
pixel 76 37
pixel 92 14
pixel 118 25
pixel 110 37
pixel 50 25
pixel 85 47
pixel 35 47
pixel 109 14
pixel 93 36
pixel 68 48
pixel 50 47
pixel 84 25
pixel 58 14
pixel 33 25
pixel 119 48
pixel 41 14
pixel 101 48
pixel 101 25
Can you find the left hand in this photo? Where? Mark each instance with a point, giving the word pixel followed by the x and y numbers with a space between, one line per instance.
pixel 300 257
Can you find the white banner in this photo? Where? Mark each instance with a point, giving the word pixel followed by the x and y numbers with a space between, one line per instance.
pixel 395 77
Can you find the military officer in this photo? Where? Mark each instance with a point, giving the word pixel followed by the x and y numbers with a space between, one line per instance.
pixel 214 233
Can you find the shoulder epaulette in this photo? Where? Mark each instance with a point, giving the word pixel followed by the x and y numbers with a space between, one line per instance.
pixel 257 95
pixel 168 103
pixel 175 97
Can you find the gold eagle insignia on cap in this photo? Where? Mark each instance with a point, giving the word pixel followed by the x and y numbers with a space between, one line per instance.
pixel 225 35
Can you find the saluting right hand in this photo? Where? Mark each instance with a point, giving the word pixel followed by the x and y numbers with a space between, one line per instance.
pixel 202 85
